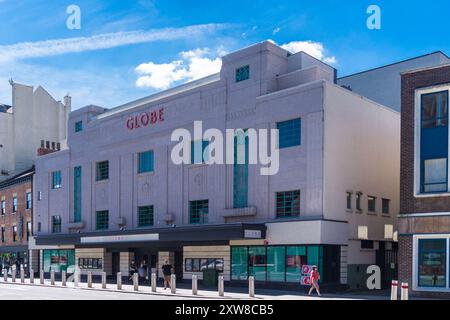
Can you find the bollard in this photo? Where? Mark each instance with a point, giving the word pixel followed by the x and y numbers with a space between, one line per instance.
pixel 404 292
pixel 89 276
pixel 194 284
pixel 22 276
pixel 119 280
pixel 103 280
pixel 5 275
pixel 41 277
pixel 63 278
pixel 52 277
pixel 173 283
pixel 251 286
pixel 76 278
pixel 31 276
pixel 136 282
pixel 13 274
pixel 394 289
pixel 221 286
pixel 153 282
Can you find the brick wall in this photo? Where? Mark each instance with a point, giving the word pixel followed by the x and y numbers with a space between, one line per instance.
pixel 411 82
pixel 405 258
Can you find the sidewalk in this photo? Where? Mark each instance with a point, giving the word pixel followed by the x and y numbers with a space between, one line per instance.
pixel 231 294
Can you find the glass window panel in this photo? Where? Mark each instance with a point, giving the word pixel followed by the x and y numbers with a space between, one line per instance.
pixel 276 264
pixel 257 263
pixel 289 133
pixel 435 175
pixel 243 73
pixel 435 110
pixel 288 204
pixel 295 259
pixel 102 171
pixel 432 262
pixel 198 212
pixel 145 216
pixel 239 263
pixel 102 222
pixel 146 162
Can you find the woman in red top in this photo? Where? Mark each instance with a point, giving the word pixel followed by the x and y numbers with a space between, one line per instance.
pixel 314 277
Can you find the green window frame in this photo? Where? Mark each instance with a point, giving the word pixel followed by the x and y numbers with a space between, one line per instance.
pixel 102 220
pixel 56 179
pixel 243 73
pixel 290 133
pixel 29 202
pixel 102 170
pixel 145 216
pixel 145 162
pixel 56 224
pixel 198 211
pixel 79 126
pixel 288 204
pixel 240 172
pixel 77 197
pixel 199 159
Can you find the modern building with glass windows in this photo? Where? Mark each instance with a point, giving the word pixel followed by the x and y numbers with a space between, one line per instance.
pixel 120 197
pixel 424 223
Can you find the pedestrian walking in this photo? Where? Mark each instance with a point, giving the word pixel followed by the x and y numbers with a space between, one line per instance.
pixel 141 272
pixel 132 271
pixel 314 278
pixel 167 272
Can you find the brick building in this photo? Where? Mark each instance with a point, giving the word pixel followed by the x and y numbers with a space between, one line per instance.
pixel 16 218
pixel 424 223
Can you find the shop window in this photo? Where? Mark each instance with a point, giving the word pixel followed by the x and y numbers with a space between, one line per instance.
pixel 199 152
pixel 257 263
pixel 288 204
pixel 243 73
pixel 295 259
pixel 200 265
pixel 102 221
pixel 145 216
pixel 3 207
pixel 432 262
pixel 102 172
pixel 239 265
pixel 145 162
pixel 56 180
pixel 276 264
pixel 79 126
pixel 371 204
pixel 14 205
pixel 90 263
pixel 59 260
pixel 56 224
pixel 29 202
pixel 198 212
pixel 289 133
pixel 349 200
pixel 386 203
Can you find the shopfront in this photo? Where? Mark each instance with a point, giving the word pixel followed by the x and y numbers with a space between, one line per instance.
pixel 284 264
pixel 58 260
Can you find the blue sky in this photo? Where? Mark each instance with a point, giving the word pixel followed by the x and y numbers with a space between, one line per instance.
pixel 129 49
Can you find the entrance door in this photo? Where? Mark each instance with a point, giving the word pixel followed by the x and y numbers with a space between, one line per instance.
pixel 115 263
pixel 179 264
pixel 387 261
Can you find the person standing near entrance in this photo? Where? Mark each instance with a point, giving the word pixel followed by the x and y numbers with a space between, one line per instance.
pixel 314 278
pixel 167 272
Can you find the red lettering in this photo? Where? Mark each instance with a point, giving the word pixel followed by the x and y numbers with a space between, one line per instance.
pixel 144 119
pixel 161 114
pixel 136 123
pixel 130 125
pixel 154 117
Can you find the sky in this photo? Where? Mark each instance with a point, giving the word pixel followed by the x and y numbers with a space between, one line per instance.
pixel 126 50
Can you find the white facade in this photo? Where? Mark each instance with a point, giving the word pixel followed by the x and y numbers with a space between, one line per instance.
pixel 33 116
pixel 348 143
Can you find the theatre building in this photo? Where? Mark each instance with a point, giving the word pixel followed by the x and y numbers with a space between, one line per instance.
pixel 424 223
pixel 115 195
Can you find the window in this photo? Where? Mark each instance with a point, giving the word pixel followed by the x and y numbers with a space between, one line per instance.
pixel 240 170
pixel 289 133
pixel 39 227
pixel 56 224
pixel 56 180
pixel 3 207
pixel 79 126
pixel 145 216
pixel 28 230
pixel 371 204
pixel 90 263
pixel 102 170
pixel 39 195
pixel 367 244
pixel 102 222
pixel 29 202
pixel 257 263
pixel 288 204
pixel 3 234
pixel 199 265
pixel 386 203
pixel 358 201
pixel 295 259
pixel 14 233
pixel 276 264
pixel 198 212
pixel 196 157
pixel 432 262
pixel 434 142
pixel 145 162
pixel 243 73
pixel 77 198
pixel 14 205
pixel 349 200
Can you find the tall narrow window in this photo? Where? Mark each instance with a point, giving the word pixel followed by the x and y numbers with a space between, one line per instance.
pixel 289 133
pixel 56 180
pixel 386 203
pixel 434 142
pixel 371 204
pixel 102 221
pixel 358 201
pixel 56 224
pixel 432 262
pixel 79 126
pixel 77 199
pixel 145 162
pixel 29 202
pixel 288 204
pixel 199 152
pixel 3 234
pixel 349 200
pixel 29 231
pixel 14 228
pixel 14 205
pixel 102 172
pixel 3 207
pixel 240 170
pixel 145 216
pixel 198 212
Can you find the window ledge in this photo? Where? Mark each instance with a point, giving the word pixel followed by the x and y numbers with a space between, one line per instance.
pixel 370 213
pixel 432 195
pixel 349 211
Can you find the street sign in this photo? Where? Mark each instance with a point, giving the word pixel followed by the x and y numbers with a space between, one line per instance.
pixel 305 281
pixel 306 270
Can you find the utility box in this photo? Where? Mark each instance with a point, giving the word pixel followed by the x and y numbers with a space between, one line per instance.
pixel 210 278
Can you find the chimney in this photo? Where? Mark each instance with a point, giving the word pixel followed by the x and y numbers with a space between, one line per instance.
pixel 48 147
pixel 68 101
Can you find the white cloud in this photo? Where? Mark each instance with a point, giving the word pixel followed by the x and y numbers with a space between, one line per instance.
pixel 55 47
pixel 315 49
pixel 276 30
pixel 193 65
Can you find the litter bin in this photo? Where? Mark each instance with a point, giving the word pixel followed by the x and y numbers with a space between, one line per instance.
pixel 210 278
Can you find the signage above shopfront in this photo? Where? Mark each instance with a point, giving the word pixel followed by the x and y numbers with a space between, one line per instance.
pixel 145 119
pixel 121 238
pixel 252 234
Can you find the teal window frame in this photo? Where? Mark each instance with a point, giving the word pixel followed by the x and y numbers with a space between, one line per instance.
pixel 56 224
pixel 288 204
pixel 29 203
pixel 78 126
pixel 56 179
pixel 146 162
pixel 102 220
pixel 102 170
pixel 145 216
pixel 240 174
pixel 243 73
pixel 77 194
pixel 290 133
pixel 195 158
pixel 198 211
